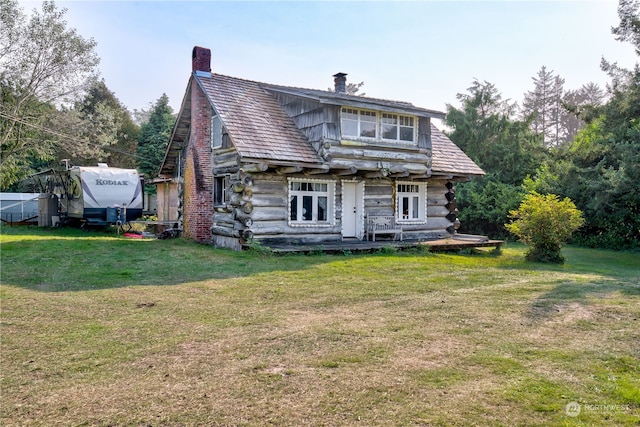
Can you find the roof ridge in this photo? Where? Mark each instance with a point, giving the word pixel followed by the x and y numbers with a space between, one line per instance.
pixel 234 78
pixel 345 96
pixel 269 84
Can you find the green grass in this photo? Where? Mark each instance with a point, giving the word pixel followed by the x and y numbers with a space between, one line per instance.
pixel 101 330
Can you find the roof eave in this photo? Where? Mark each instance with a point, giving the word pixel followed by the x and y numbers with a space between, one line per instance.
pixel 458 176
pixel 186 101
pixel 278 162
pixel 420 112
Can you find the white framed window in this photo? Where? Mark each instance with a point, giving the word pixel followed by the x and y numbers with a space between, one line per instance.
pixel 359 123
pixel 311 202
pixel 380 126
pixel 411 202
pixel 397 128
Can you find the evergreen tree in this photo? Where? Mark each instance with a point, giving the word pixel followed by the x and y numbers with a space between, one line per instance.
pixel 600 170
pixel 505 148
pixel 591 95
pixel 629 28
pixel 154 137
pixel 540 105
pixel 485 129
pixel 579 106
pixel 558 131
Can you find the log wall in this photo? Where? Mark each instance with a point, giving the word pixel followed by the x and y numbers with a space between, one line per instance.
pixel 256 209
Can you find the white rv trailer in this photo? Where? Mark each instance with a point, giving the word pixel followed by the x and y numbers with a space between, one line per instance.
pixel 99 195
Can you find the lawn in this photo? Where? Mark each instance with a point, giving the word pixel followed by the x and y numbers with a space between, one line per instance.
pixel 101 330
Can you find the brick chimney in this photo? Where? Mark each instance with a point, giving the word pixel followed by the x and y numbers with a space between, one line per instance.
pixel 340 82
pixel 201 59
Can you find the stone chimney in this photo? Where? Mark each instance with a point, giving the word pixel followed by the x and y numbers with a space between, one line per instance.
pixel 201 59
pixel 340 82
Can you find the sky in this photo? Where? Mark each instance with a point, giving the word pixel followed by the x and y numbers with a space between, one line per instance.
pixel 423 52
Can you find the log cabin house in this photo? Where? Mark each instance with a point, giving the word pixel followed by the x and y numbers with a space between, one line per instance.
pixel 257 162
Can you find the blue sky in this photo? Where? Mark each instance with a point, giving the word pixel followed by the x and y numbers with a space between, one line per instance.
pixel 424 52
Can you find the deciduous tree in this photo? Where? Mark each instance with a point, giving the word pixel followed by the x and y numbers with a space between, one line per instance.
pixel 43 65
pixel 101 105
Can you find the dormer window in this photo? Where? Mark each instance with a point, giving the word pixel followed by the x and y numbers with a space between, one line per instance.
pixel 372 125
pixel 397 128
pixel 359 123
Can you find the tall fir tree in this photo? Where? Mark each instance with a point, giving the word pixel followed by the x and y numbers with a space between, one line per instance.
pixel 558 132
pixel 541 105
pixel 154 137
pixel 629 28
pixel 579 106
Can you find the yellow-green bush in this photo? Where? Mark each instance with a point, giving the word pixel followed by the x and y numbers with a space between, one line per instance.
pixel 545 223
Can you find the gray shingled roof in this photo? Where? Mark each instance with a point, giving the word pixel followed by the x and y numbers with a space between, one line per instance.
pixel 257 124
pixel 261 130
pixel 448 158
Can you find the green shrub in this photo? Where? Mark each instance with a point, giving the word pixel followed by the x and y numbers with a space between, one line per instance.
pixel 484 205
pixel 545 223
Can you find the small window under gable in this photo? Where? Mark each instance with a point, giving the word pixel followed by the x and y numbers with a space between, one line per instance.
pixel 378 126
pixel 216 132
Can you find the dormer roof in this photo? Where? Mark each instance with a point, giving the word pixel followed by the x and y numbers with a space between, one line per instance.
pixel 356 101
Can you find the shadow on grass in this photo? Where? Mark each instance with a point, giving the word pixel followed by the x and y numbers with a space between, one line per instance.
pixel 548 303
pixel 59 260
pixel 587 273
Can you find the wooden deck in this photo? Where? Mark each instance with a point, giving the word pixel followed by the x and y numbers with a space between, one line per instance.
pixel 454 243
